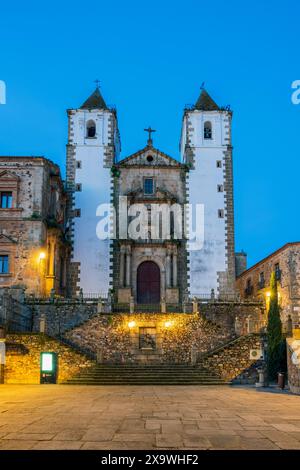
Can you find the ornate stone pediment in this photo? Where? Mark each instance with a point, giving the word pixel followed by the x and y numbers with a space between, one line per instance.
pixel 7 175
pixel 149 156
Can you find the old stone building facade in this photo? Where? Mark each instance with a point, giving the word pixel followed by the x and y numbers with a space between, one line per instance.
pixel 150 268
pixel 255 281
pixel 147 269
pixel 33 250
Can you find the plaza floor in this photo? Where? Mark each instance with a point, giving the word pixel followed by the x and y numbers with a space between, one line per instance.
pixel 154 417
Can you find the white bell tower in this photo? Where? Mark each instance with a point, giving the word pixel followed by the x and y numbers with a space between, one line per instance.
pixel 206 149
pixel 93 147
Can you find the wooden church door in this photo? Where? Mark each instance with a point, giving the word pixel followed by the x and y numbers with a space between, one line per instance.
pixel 148 283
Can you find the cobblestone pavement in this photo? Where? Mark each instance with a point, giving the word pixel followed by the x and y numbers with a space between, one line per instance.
pixel 153 417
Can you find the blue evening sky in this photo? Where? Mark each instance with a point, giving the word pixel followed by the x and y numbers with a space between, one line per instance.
pixel 151 58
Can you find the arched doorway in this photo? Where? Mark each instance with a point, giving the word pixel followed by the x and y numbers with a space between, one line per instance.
pixel 148 283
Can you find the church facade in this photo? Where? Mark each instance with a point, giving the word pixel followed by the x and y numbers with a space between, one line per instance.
pixel 150 228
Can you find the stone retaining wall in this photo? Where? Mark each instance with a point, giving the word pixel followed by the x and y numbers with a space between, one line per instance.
pixel 116 337
pixel 23 358
pixel 293 362
pixel 233 362
pixel 225 314
pixel 62 316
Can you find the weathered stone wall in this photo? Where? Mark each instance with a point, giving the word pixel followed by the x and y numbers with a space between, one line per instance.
pixel 33 224
pixel 233 362
pixel 61 316
pixel 227 314
pixel 65 315
pixel 288 259
pixel 116 337
pixel 293 362
pixel 23 358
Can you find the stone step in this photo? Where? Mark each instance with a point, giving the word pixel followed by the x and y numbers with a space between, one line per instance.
pixel 146 375
pixel 144 382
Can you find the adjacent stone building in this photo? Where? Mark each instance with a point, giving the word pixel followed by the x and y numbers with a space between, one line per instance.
pixel 33 249
pixel 255 281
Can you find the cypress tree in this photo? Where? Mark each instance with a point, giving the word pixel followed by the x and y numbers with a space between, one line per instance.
pixel 274 333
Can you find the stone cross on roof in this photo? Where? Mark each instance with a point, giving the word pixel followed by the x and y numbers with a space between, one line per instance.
pixel 149 130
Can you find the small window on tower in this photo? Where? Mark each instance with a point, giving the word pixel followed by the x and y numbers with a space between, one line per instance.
pixel 220 188
pixel 90 129
pixel 78 164
pixel 221 213
pixel 148 185
pixel 219 164
pixel 78 187
pixel 207 130
pixel 77 212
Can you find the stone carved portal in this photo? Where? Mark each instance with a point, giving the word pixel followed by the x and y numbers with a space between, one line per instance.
pixel 147 338
pixel 148 283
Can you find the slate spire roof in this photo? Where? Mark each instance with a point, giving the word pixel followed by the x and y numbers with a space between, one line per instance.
pixel 95 101
pixel 205 102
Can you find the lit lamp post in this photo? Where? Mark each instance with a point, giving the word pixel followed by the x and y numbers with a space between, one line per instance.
pixel 2 354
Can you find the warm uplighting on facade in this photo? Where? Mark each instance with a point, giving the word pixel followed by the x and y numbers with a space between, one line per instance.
pixel 168 324
pixel 131 324
pixel 268 294
pixel 42 255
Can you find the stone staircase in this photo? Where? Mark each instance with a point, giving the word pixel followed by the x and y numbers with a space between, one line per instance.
pixel 125 374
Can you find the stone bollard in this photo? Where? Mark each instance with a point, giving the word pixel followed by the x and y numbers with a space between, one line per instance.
pixel 289 327
pixel 81 295
pixel 212 294
pixel 237 326
pixel 261 378
pixel 163 306
pixel 131 305
pixel 99 356
pixel 195 305
pixel 42 326
pixel 52 295
pixel 194 355
pixel 249 324
pixel 99 306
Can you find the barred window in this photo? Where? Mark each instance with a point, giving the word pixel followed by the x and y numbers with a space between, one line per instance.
pixel 207 130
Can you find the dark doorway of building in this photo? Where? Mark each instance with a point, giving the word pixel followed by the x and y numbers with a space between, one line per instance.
pixel 148 283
